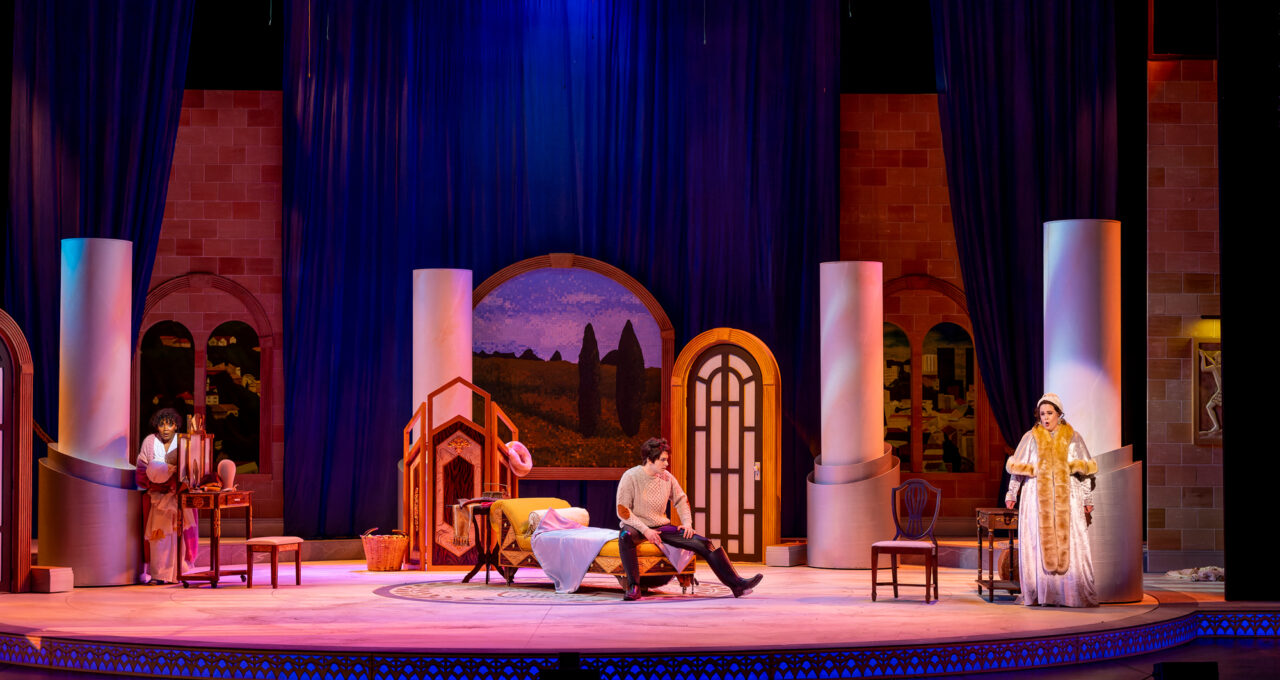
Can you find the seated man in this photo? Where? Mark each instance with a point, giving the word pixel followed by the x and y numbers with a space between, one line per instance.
pixel 643 494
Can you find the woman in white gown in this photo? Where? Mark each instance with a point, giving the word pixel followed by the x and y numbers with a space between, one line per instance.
pixel 1054 471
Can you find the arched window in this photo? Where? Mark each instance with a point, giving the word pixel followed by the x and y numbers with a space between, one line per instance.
pixel 948 400
pixel 897 392
pixel 940 411
pixel 233 378
pixel 226 326
pixel 167 379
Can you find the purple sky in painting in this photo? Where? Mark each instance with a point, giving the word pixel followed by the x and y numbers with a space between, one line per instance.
pixel 546 309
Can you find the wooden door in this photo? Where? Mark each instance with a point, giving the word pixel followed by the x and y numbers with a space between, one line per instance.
pixel 7 384
pixel 724 442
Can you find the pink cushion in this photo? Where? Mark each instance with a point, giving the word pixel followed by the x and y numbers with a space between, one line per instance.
pixel 553 521
pixel 902 544
pixel 273 540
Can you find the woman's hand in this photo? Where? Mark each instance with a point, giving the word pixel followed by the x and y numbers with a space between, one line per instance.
pixel 685 531
pixel 1008 504
pixel 1088 509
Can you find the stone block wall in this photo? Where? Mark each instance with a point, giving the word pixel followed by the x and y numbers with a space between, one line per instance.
pixel 219 254
pixel 895 208
pixel 1184 480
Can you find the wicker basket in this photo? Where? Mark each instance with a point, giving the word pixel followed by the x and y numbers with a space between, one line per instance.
pixel 384 552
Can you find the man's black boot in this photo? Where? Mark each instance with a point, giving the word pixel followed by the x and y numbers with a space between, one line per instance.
pixel 720 565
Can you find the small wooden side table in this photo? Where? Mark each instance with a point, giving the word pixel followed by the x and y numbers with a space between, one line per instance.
pixel 215 502
pixel 991 520
pixel 486 549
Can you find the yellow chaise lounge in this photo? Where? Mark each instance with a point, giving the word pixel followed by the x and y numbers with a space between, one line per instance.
pixel 509 521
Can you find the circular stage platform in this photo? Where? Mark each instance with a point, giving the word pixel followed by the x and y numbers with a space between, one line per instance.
pixel 345 622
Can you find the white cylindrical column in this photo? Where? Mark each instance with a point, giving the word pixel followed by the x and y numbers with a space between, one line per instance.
pixel 442 339
pixel 90 509
pixel 94 350
pixel 856 471
pixel 1082 326
pixel 851 310
pixel 1082 364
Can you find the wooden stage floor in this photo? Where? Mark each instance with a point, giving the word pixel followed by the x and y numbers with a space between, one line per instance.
pixel 344 611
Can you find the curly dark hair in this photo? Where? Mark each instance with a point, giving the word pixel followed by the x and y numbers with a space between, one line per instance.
pixel 653 448
pixel 165 415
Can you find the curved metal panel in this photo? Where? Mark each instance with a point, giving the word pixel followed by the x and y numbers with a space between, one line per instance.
pixel 1115 537
pixel 94 528
pixel 845 519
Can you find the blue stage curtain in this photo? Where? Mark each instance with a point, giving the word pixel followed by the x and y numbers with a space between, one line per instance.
pixel 1027 97
pixel 691 145
pixel 97 91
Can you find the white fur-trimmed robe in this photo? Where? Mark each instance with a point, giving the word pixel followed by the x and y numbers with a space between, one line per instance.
pixel 1054 562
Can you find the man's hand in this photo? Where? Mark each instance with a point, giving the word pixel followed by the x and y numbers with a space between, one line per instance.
pixel 653 536
pixel 685 531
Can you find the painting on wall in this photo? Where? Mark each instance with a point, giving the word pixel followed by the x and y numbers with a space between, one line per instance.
pixel 948 397
pixel 233 380
pixel 166 379
pixel 1207 367
pixel 575 359
pixel 897 393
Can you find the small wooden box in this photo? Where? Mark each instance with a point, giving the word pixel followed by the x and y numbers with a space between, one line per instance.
pixel 52 579
pixel 786 554
pixel 997 519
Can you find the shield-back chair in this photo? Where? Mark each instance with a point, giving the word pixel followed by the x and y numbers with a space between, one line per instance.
pixel 921 501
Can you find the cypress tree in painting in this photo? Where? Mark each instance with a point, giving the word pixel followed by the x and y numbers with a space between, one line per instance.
pixel 630 381
pixel 589 383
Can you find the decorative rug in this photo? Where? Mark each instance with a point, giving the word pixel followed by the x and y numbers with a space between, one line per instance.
pixel 539 591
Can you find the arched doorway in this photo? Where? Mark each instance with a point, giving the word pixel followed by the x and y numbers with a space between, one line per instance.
pixel 15 457
pixel 726 443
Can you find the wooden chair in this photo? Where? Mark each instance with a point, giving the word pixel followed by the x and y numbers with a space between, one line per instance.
pixel 921 500
pixel 274 545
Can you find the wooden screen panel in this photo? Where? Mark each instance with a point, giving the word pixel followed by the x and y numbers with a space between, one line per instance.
pixel 725 408
pixel 458 474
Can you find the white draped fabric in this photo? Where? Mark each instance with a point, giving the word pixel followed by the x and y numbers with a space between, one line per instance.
pixel 1075 587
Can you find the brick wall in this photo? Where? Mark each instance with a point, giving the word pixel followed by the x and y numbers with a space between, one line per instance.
pixel 223 217
pixel 1184 480
pixel 894 205
pixel 895 208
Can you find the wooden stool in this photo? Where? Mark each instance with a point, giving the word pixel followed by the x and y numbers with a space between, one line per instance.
pixel 274 545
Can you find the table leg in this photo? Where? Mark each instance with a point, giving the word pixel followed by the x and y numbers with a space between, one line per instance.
pixel 215 533
pixel 480 556
pixel 1014 573
pixel 979 532
pixel 488 556
pixel 991 565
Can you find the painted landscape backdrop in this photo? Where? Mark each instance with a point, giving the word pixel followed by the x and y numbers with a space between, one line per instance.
pixel 576 360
